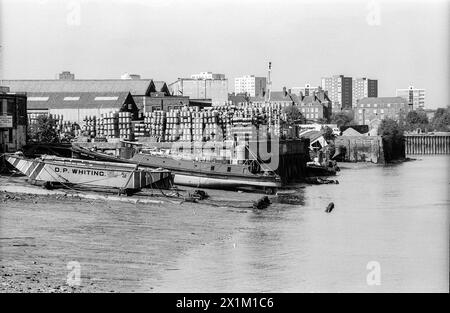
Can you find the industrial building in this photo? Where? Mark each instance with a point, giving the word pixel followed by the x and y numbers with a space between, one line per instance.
pixel 414 96
pixel 368 109
pixel 13 120
pixel 213 90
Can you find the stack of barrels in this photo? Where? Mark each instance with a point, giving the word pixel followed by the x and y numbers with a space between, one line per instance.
pixel 124 124
pixel 156 123
pixel 89 127
pixel 186 126
pixel 172 126
pixel 140 130
pixel 197 126
pixel 213 131
pixel 110 125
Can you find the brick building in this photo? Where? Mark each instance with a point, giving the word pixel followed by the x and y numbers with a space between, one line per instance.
pixel 13 121
pixel 368 109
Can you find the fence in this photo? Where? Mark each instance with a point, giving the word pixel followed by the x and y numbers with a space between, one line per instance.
pixel 427 143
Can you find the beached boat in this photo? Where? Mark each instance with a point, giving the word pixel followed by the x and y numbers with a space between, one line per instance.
pixel 200 174
pixel 125 177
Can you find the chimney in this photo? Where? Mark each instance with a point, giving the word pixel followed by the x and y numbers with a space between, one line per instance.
pixel 284 91
pixel 269 82
pixel 289 91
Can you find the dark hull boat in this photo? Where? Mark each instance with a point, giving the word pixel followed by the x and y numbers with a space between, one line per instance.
pixel 204 174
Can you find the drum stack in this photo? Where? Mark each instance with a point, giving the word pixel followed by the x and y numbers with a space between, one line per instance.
pixel 89 127
pixel 186 125
pixel 110 125
pixel 155 122
pixel 124 126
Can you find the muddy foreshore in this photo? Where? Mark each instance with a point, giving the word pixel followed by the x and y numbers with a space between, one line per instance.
pixel 121 246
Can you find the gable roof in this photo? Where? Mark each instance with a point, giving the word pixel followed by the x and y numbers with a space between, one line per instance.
pixel 312 135
pixel 379 100
pixel 283 96
pixel 351 132
pixel 78 100
pixel 134 86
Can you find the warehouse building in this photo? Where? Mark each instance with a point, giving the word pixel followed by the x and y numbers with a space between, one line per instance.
pixel 77 98
pixel 76 106
pixel 368 109
pixel 13 120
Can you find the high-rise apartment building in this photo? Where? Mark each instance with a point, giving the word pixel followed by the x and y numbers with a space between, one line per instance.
pixel 414 96
pixel 364 88
pixel 339 90
pixel 250 84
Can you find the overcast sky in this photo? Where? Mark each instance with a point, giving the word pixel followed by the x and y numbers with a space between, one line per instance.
pixel 397 42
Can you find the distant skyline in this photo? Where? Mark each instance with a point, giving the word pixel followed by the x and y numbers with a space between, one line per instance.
pixel 400 43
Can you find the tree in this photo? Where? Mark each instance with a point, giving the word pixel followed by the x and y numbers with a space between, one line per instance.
pixel 393 139
pixel 328 134
pixel 293 115
pixel 441 120
pixel 416 119
pixel 44 130
pixel 342 118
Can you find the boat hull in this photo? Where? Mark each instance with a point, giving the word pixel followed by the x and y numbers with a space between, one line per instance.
pixel 224 183
pixel 194 173
pixel 87 173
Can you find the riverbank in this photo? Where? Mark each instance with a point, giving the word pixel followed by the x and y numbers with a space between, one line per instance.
pixel 118 241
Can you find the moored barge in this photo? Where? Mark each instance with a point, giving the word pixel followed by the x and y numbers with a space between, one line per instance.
pixel 125 177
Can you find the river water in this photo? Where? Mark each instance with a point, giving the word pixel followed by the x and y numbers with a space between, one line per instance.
pixel 395 216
